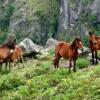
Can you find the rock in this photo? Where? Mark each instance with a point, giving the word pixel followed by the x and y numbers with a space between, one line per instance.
pixel 29 48
pixel 51 42
pixel 95 6
pixel 86 51
pixel 63 17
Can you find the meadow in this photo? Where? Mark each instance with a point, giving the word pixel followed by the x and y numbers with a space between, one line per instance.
pixel 39 80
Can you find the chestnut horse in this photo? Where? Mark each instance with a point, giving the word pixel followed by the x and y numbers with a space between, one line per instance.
pixel 94 45
pixel 5 51
pixel 68 50
pixel 16 55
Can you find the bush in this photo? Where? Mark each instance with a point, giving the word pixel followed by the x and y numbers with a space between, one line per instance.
pixel 85 41
pixel 10 82
pixel 51 51
pixel 82 63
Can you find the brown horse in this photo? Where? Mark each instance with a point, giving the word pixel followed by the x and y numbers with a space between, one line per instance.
pixel 67 50
pixel 16 55
pixel 94 45
pixel 5 51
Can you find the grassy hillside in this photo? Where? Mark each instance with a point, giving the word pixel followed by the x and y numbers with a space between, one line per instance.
pixel 40 81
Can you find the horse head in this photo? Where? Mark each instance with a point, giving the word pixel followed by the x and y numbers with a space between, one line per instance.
pixel 10 44
pixel 92 40
pixel 79 43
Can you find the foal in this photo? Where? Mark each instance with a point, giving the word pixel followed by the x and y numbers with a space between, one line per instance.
pixel 94 45
pixel 16 55
pixel 67 50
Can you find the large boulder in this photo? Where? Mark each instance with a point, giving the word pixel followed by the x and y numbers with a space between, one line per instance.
pixel 51 43
pixel 29 48
pixel 85 52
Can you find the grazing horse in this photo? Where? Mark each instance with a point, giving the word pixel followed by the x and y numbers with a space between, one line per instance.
pixel 68 50
pixel 94 45
pixel 5 51
pixel 16 55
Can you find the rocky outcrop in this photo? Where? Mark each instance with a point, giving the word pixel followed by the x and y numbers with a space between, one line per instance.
pixel 85 52
pixel 29 48
pixel 50 18
pixel 24 22
pixel 51 43
pixel 32 21
pixel 70 18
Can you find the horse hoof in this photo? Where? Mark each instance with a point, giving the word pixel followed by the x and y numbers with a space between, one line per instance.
pixel 96 63
pixel 69 71
pixel 74 70
pixel 93 63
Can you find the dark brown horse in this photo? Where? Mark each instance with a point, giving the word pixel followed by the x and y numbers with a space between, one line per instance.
pixel 94 45
pixel 68 50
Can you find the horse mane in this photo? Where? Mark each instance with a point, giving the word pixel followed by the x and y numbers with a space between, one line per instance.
pixel 2 45
pixel 73 44
pixel 91 33
pixel 97 37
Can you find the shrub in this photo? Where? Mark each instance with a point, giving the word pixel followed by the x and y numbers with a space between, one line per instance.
pixel 10 82
pixel 51 51
pixel 85 41
pixel 82 63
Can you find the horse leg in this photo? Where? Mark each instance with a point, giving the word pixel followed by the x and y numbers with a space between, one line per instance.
pixel 22 61
pixel 9 65
pixel 56 62
pixel 92 57
pixel 6 64
pixel 18 62
pixel 96 57
pixel 0 67
pixel 70 65
pixel 74 69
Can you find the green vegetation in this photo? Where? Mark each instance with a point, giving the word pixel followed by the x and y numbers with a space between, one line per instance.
pixel 82 63
pixel 85 41
pixel 39 80
pixel 4 22
pixel 47 11
pixel 3 37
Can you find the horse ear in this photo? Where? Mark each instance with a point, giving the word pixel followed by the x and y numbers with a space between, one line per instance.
pixel 78 38
pixel 90 33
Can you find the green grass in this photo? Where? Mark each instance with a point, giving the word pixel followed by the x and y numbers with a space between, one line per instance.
pixel 82 63
pixel 40 81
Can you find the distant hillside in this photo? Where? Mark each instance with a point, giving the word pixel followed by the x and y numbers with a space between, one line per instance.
pixel 41 19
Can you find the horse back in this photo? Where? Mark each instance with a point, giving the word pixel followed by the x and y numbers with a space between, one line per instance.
pixel 62 49
pixel 4 52
pixel 98 41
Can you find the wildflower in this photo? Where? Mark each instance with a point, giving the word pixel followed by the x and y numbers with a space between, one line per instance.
pixel 29 82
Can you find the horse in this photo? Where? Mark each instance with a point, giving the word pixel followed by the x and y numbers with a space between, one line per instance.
pixel 68 51
pixel 16 55
pixel 94 45
pixel 5 51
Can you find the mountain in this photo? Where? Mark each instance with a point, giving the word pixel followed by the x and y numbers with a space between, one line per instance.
pixel 41 19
